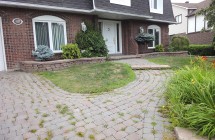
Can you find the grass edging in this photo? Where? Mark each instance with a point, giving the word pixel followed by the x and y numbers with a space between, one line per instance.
pixel 92 78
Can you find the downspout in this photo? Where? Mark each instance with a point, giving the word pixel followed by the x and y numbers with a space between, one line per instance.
pixel 95 17
pixel 94 6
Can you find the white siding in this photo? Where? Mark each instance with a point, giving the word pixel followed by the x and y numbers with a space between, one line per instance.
pixel 191 24
pixel 200 23
pixel 182 27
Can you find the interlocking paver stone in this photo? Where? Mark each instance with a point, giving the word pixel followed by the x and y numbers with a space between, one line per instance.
pixel 125 113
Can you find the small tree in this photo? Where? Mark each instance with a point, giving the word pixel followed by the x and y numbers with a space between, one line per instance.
pixel 71 51
pixel 179 43
pixel 43 53
pixel 209 14
pixel 91 42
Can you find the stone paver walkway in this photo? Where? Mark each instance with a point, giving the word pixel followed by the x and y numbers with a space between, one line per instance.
pixel 32 108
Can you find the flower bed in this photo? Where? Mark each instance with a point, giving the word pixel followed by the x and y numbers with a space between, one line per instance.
pixel 191 97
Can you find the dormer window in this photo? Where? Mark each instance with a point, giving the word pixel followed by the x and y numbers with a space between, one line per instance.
pixel 156 6
pixel 123 2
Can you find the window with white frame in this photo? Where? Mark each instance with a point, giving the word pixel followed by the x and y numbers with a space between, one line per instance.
pixel 50 31
pixel 156 32
pixel 178 19
pixel 121 2
pixel 156 6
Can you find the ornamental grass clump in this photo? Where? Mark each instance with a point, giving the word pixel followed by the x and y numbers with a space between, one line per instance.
pixel 191 97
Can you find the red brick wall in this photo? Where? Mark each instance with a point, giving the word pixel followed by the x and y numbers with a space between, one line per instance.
pixel 199 37
pixel 130 30
pixel 19 39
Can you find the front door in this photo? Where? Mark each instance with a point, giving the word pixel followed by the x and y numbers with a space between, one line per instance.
pixel 2 52
pixel 111 31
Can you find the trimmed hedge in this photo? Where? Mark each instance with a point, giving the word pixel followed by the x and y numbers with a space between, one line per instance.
pixel 202 50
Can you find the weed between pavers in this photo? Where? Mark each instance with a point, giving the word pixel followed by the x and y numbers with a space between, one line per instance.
pixel 49 135
pixel 41 124
pixel 105 126
pixel 80 134
pixel 45 115
pixel 153 131
pixel 37 111
pixel 91 137
pixel 33 131
pixel 121 114
pixel 153 124
pixel 139 102
pixel 145 111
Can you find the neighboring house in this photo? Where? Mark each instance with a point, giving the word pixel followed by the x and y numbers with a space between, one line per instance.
pixel 190 24
pixel 25 24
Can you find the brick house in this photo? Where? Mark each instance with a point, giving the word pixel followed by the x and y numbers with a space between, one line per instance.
pixel 25 24
pixel 190 24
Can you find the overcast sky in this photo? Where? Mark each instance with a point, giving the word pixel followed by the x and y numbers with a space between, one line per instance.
pixel 182 1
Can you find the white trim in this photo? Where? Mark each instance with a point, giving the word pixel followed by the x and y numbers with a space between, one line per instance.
pixel 153 27
pixel 120 33
pixel 3 47
pixel 49 19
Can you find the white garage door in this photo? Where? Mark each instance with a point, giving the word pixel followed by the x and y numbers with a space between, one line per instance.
pixel 2 52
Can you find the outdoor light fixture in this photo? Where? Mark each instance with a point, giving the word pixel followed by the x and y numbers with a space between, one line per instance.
pixel 17 21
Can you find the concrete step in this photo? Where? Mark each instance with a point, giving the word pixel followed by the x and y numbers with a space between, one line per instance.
pixel 150 67
pixel 186 134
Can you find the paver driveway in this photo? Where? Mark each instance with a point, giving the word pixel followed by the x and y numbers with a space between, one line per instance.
pixel 31 108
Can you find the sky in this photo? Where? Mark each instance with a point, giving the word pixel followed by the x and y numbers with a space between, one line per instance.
pixel 182 1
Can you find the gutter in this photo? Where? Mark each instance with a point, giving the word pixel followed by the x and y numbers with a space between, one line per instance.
pixel 43 7
pixel 120 13
pixel 163 21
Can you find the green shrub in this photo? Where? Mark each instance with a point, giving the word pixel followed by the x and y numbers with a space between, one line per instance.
pixel 43 53
pixel 178 43
pixel 91 43
pixel 71 51
pixel 202 50
pixel 159 48
pixel 191 98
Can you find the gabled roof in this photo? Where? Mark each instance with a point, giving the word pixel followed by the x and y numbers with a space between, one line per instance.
pixel 186 5
pixel 139 9
pixel 200 6
pixel 196 6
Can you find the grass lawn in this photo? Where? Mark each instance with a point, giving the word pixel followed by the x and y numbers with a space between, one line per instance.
pixel 174 61
pixel 92 78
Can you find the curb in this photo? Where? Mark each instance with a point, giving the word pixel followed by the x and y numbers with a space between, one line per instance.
pixel 186 134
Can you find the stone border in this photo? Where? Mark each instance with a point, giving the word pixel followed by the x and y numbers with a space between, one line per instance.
pixel 35 66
